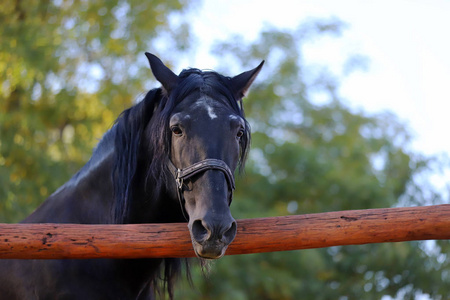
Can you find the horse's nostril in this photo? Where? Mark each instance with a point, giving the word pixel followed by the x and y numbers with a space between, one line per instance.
pixel 228 236
pixel 199 232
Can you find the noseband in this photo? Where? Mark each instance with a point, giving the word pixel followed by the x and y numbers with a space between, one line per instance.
pixel 207 164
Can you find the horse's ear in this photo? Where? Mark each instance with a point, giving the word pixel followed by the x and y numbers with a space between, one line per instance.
pixel 242 82
pixel 163 74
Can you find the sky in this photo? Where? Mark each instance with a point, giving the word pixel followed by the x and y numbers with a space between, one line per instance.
pixel 407 44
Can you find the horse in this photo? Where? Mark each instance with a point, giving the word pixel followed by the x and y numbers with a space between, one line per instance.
pixel 169 158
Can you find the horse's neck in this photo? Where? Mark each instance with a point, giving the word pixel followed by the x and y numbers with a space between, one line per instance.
pixel 86 198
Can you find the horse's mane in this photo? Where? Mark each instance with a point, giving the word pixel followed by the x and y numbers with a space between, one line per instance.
pixel 155 110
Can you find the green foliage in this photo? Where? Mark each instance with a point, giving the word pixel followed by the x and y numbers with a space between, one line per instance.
pixel 67 69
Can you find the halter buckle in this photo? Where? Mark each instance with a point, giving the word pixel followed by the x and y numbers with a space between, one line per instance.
pixel 179 180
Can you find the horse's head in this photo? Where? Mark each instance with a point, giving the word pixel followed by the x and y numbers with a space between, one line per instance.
pixel 209 138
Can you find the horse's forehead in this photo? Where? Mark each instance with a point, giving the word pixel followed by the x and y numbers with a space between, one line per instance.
pixel 201 105
pixel 207 105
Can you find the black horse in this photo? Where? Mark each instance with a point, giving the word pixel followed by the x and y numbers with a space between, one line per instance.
pixel 169 158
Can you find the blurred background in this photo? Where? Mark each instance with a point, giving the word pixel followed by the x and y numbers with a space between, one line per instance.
pixel 349 112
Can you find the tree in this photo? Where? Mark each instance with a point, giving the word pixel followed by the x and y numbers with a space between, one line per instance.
pixel 67 69
pixel 308 158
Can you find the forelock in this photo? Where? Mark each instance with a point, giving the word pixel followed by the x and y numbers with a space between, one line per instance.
pixel 208 83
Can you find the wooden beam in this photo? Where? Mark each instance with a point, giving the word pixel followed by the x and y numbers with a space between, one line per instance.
pixel 55 241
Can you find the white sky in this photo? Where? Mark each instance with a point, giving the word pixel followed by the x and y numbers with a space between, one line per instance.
pixel 407 43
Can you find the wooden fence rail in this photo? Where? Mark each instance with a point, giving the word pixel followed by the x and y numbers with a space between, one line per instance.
pixel 54 241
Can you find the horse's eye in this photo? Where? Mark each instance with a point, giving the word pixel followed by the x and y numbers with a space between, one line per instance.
pixel 176 130
pixel 240 133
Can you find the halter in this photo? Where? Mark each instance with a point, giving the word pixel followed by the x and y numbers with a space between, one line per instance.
pixel 207 164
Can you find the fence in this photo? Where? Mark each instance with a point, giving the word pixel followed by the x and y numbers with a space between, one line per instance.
pixel 54 241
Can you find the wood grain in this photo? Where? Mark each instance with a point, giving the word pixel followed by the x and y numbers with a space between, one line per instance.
pixel 55 241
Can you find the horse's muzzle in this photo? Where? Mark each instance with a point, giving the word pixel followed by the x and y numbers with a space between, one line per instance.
pixel 211 240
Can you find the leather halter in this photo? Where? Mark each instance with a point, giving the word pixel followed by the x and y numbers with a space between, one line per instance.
pixel 207 164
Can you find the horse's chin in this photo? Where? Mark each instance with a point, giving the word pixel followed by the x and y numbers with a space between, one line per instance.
pixel 209 250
